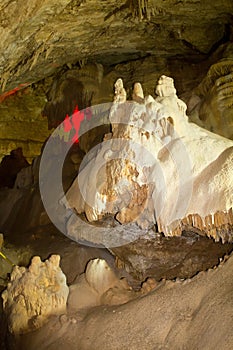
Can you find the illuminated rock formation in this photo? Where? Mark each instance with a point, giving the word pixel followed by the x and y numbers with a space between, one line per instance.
pixel 120 93
pixel 98 285
pixel 156 167
pixel 138 94
pixel 33 294
pixel 211 103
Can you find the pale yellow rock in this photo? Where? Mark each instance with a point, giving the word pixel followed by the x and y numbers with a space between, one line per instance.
pixel 100 276
pixel 157 167
pixel 33 294
pixel 120 93
pixel 138 94
pixel 99 285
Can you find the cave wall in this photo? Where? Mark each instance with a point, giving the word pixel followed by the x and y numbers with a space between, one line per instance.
pixel 21 123
pixel 27 114
pixel 135 40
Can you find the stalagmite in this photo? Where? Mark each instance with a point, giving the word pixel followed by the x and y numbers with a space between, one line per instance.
pixel 120 93
pixel 138 94
pixel 33 294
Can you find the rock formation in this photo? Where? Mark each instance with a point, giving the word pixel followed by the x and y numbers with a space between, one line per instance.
pixel 191 314
pixel 21 122
pixel 120 93
pixel 99 285
pixel 154 187
pixel 10 166
pixel 211 102
pixel 46 36
pixel 37 47
pixel 33 294
pixel 76 87
pixel 156 167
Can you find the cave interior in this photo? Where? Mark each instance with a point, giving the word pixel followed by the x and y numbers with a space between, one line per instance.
pixel 63 65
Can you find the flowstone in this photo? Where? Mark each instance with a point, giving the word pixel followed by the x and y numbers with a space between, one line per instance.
pixel 158 168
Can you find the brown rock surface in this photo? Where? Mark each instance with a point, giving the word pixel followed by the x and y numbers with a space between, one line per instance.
pixel 165 257
pixel 21 123
pixel 10 166
pixel 39 36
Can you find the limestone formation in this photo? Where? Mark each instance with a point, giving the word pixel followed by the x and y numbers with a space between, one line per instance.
pixel 156 167
pixel 120 93
pixel 183 314
pixel 33 294
pixel 165 87
pixel 211 103
pixel 138 94
pixel 75 88
pixel 98 285
pixel 100 276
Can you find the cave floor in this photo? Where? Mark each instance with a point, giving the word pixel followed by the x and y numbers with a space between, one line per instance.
pixel 189 314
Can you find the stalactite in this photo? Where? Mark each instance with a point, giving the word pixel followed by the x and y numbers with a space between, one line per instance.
pixel 140 8
pixel 217 226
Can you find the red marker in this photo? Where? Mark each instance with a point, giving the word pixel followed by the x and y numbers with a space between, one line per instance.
pixel 77 118
pixel 67 124
pixel 75 122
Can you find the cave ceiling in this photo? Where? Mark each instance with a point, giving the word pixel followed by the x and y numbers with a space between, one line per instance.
pixel 40 37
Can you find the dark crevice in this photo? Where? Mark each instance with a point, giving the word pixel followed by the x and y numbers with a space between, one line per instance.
pixel 192 47
pixel 225 38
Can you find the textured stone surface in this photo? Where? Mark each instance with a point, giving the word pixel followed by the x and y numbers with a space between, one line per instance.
pixel 135 40
pixel 190 314
pixel 45 35
pixel 35 293
pixel 164 257
pixel 211 102
pixel 156 167
pixel 21 123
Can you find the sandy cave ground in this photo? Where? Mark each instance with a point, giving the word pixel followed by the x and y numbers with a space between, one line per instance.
pixel 195 314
